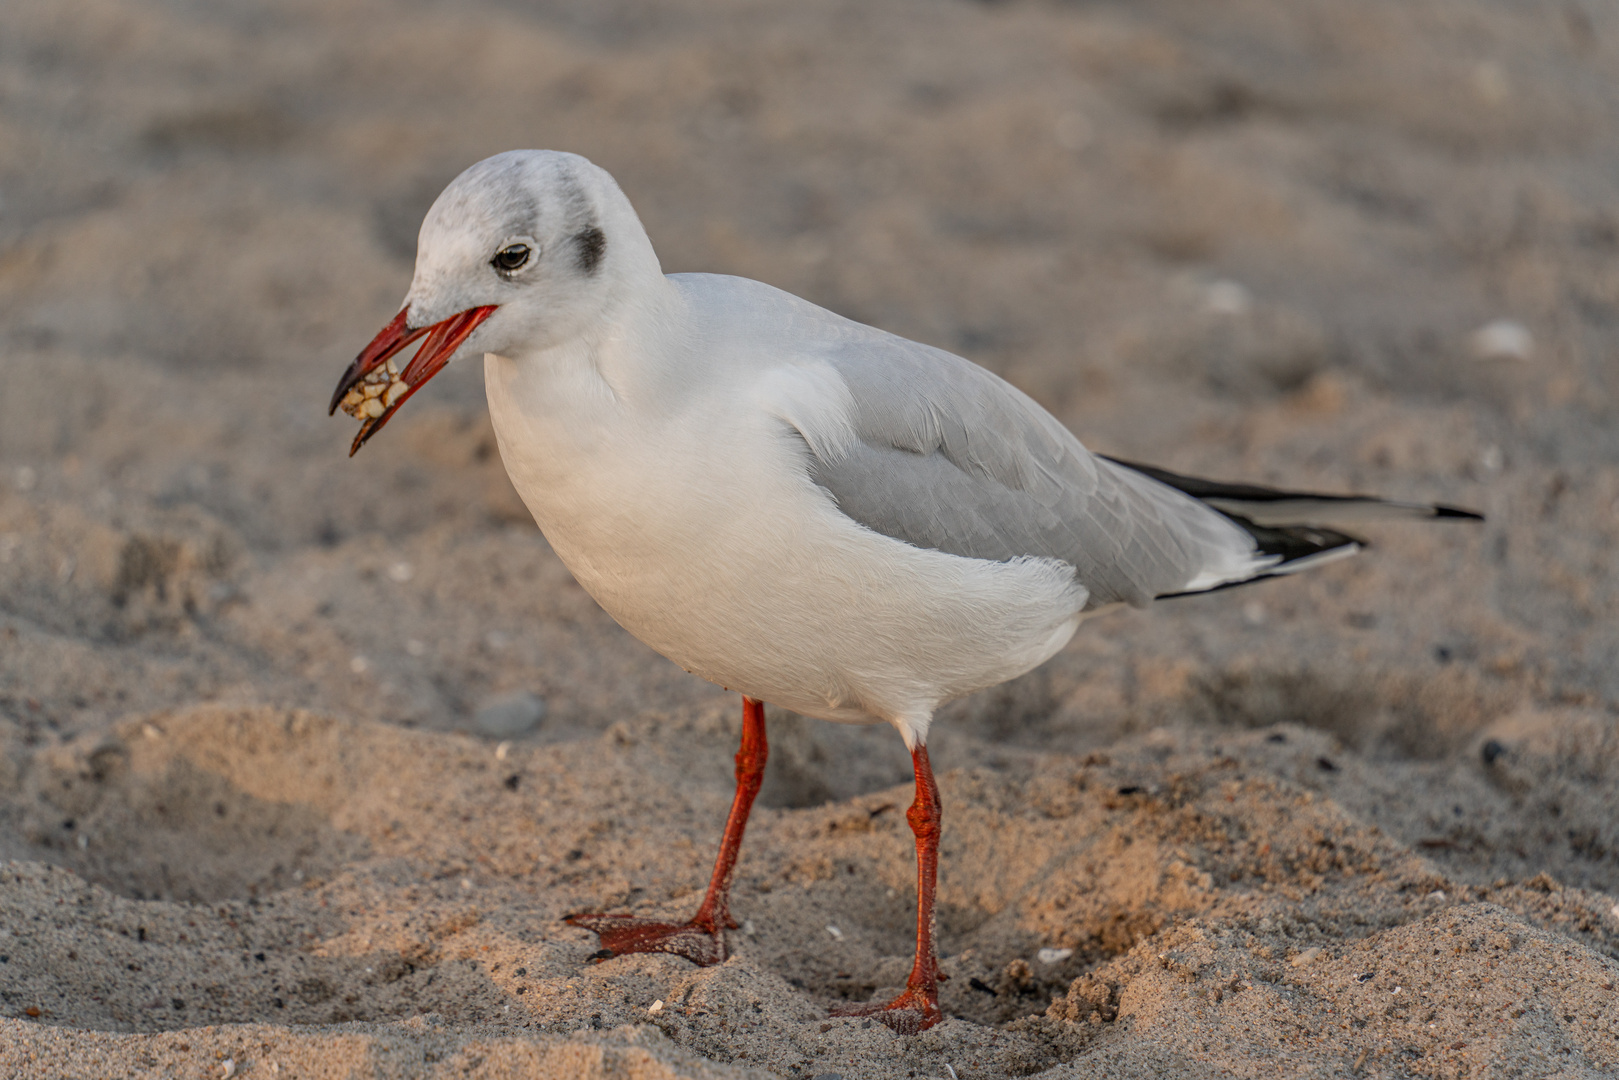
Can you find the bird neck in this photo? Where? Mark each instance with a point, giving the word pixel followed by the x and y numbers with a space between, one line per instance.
pixel 575 398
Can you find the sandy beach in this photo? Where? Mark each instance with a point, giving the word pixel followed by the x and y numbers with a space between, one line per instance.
pixel 303 758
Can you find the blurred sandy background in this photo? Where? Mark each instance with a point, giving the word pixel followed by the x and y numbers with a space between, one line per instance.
pixel 303 758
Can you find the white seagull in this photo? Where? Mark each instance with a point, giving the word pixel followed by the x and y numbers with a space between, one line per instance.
pixel 790 504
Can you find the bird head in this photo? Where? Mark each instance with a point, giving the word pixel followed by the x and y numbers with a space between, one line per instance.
pixel 524 250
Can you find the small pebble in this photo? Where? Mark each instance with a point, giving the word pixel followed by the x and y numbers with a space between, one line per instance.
pixel 510 715
pixel 401 572
pixel 1503 339
pixel 656 1006
pixel 227 1068
pixel 1225 297
pixel 1053 956
pixel 359 665
pixel 837 934
pixel 1306 958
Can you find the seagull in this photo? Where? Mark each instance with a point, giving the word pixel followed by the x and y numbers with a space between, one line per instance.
pixel 814 512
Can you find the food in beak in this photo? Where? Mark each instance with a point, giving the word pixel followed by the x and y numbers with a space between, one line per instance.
pixel 374 387
pixel 369 398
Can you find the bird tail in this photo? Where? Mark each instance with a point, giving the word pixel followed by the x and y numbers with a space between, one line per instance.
pixel 1296 526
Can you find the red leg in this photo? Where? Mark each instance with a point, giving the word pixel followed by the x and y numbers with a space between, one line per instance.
pixel 702 940
pixel 918 1007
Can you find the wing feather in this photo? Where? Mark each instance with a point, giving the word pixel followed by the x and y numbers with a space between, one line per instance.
pixel 949 456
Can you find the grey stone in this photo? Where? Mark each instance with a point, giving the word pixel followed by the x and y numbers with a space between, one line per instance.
pixel 510 715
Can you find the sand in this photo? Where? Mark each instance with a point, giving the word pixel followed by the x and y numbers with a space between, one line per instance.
pixel 303 758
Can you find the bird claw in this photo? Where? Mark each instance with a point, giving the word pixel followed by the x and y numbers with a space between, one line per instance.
pixel 912 1011
pixel 698 941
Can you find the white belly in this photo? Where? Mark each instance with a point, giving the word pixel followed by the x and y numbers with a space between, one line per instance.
pixel 710 543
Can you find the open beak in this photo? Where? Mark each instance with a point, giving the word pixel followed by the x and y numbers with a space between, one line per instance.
pixel 373 400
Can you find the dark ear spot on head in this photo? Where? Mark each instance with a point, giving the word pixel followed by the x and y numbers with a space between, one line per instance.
pixel 592 245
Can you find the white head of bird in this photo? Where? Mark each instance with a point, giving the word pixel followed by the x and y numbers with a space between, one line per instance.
pixel 524 252
pixel 545 237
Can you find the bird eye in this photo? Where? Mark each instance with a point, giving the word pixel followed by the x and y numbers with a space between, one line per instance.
pixel 511 258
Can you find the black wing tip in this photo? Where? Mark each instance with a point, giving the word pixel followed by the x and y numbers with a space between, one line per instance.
pixel 1199 488
pixel 1293 545
pixel 1222 587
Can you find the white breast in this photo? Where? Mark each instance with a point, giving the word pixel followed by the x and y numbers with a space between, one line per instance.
pixel 698 529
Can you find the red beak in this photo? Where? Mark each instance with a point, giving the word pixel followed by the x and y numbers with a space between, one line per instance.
pixel 443 338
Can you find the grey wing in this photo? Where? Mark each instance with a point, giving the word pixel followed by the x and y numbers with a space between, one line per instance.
pixel 950 457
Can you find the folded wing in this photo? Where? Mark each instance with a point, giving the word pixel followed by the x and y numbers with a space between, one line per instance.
pixel 950 457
